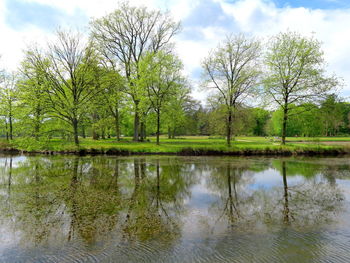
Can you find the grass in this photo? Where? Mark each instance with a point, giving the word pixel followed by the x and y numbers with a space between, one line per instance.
pixel 191 145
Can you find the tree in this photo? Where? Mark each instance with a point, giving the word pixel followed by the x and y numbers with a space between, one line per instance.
pixel 295 72
pixel 261 117
pixel 113 85
pixel 331 115
pixel 177 110
pixel 232 69
pixel 32 95
pixel 125 36
pixel 68 69
pixel 161 75
pixel 8 99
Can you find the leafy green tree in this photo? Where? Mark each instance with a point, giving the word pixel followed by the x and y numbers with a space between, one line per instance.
pixel 332 115
pixel 232 69
pixel 261 116
pixel 295 72
pixel 175 114
pixel 305 121
pixel 125 36
pixel 8 101
pixel 113 85
pixel 161 75
pixel 32 95
pixel 68 70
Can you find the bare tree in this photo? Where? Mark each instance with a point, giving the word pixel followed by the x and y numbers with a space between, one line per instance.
pixel 295 72
pixel 232 70
pixel 128 33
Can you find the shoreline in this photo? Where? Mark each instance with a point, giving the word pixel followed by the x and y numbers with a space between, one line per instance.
pixel 188 152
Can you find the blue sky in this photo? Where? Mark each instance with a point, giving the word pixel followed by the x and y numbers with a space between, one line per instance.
pixel 205 23
pixel 21 14
pixel 314 4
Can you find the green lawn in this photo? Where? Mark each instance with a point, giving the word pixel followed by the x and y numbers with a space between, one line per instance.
pixel 197 143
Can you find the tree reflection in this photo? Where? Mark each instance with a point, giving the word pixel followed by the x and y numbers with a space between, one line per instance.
pixel 310 201
pixel 57 200
pixel 285 189
pixel 156 203
pixel 230 180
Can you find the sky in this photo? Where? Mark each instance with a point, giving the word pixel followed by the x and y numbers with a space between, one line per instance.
pixel 204 24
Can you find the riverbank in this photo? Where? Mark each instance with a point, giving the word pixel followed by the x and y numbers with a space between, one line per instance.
pixel 187 146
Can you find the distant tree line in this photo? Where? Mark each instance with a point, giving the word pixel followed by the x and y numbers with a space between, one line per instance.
pixel 125 79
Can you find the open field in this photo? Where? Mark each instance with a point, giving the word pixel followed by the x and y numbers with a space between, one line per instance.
pixel 187 145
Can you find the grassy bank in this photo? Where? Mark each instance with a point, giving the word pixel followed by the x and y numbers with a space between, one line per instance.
pixel 186 146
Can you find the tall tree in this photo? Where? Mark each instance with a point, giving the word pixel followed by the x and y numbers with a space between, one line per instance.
pixel 232 70
pixel 8 99
pixel 113 85
pixel 127 34
pixel 32 95
pixel 331 115
pixel 68 68
pixel 161 75
pixel 295 72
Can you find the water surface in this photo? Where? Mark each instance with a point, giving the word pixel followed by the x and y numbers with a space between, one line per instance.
pixel 174 209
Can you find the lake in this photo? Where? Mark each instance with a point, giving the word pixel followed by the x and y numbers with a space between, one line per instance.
pixel 174 209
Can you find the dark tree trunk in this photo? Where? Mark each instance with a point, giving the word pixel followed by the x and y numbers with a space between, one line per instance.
pixel 284 125
pixel 75 132
pixel 229 128
pixel 158 126
pixel 11 127
pixel 103 134
pixel 7 132
pixel 117 125
pixel 83 133
pixel 169 132
pixel 136 123
pixel 37 125
pixel 95 135
pixel 142 131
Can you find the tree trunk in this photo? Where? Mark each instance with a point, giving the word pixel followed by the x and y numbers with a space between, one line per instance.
pixel 7 132
pixel 75 131
pixel 158 126
pixel 284 125
pixel 142 131
pixel 229 127
pixel 103 133
pixel 37 125
pixel 136 123
pixel 95 135
pixel 83 134
pixel 117 125
pixel 169 132
pixel 11 127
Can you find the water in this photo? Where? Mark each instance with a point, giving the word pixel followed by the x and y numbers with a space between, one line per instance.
pixel 174 209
